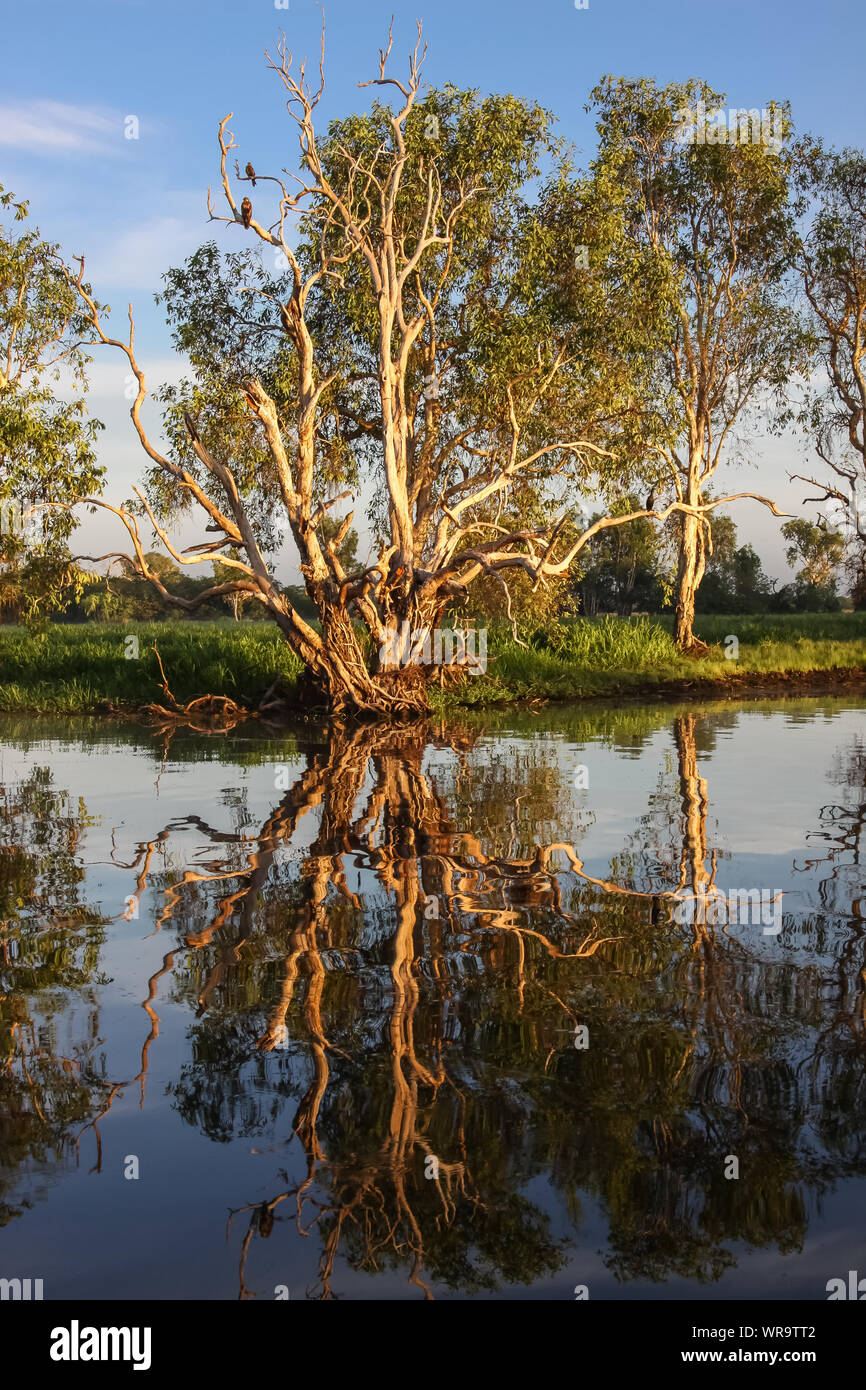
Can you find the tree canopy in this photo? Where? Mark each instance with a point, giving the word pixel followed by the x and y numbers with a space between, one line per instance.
pixel 46 434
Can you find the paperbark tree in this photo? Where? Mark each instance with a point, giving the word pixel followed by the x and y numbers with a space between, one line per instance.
pixel 421 335
pixel 833 266
pixel 708 208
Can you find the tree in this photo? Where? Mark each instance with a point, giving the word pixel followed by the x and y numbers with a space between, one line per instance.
pixel 53 934
pixel 273 958
pixel 819 549
pixel 321 1004
pixel 46 442
pixel 223 575
pixel 833 267
pixel 712 219
pixel 624 569
pixel 734 581
pixel 121 593
pixel 421 332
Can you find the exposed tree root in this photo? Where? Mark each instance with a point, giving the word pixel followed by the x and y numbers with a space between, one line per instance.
pixel 207 713
pixel 697 648
pixel 399 695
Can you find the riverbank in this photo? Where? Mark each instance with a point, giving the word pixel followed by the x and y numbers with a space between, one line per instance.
pixel 102 667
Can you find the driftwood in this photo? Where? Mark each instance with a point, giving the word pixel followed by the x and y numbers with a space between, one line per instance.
pixel 207 713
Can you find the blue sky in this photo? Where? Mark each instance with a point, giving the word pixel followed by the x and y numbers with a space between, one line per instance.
pixel 72 74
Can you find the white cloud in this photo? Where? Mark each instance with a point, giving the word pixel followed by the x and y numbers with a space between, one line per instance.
pixel 137 259
pixel 109 372
pixel 47 127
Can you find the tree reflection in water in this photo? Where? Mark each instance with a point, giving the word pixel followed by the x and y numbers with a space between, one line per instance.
pixel 49 946
pixel 414 964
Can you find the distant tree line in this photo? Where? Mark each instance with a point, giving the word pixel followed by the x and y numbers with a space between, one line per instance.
pixel 630 571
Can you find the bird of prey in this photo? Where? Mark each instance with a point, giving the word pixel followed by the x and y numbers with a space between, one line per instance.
pixel 246 212
pixel 651 501
pixel 251 174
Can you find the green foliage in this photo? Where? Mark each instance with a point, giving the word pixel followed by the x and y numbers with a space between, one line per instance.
pixel 833 267
pixel 69 669
pixel 734 581
pixel 624 568
pixel 46 440
pixel 816 548
pixel 511 300
pixel 223 311
pixel 593 657
pixel 712 233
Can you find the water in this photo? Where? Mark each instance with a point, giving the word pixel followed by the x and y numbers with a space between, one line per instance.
pixel 380 1015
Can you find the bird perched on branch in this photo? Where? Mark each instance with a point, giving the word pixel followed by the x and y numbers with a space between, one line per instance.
pixel 251 174
pixel 246 212
pixel 651 501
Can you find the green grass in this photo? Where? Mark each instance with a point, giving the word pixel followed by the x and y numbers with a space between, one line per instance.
pixel 66 669
pixel 757 627
pixel 585 658
pixel 76 669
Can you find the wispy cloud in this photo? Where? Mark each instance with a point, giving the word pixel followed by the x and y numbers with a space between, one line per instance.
pixel 138 257
pixel 54 127
pixel 110 380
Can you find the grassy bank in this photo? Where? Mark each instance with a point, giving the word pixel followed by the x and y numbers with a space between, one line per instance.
pixel 616 657
pixel 68 669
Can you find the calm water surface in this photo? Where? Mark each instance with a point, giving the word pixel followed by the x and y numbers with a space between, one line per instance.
pixel 461 1014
